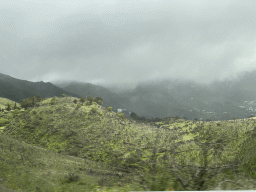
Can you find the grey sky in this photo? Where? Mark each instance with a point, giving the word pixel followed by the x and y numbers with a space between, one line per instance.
pixel 127 41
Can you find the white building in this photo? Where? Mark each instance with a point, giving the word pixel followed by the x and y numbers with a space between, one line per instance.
pixel 120 110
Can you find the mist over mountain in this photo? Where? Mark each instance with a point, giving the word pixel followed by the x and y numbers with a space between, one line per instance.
pixel 185 99
pixel 219 99
pixel 85 89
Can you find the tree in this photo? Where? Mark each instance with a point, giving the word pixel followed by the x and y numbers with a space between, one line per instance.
pixel 133 115
pixel 82 100
pixel 15 106
pixel 88 103
pixel 99 100
pixel 26 103
pixel 30 102
pixel 75 101
pixel 38 98
pixel 91 99
pixel 33 101
pixel 8 108
pixel 63 95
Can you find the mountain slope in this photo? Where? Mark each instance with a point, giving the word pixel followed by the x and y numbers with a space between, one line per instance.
pixel 17 90
pixel 72 126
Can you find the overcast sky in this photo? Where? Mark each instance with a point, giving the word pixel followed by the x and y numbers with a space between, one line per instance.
pixel 127 41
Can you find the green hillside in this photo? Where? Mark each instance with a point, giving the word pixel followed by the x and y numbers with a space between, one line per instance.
pixel 63 145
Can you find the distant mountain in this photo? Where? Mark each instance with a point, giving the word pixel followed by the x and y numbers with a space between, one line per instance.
pixel 85 89
pixel 185 99
pixel 217 101
pixel 17 90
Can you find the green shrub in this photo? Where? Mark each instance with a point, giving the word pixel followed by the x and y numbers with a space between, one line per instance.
pixel 71 177
pixel 109 108
pixel 121 115
pixel 4 121
pixel 250 168
pixel 78 106
pixel 100 102
pixel 88 103
pixel 53 101
pixel 82 99
pixel 93 109
pixel 91 99
pixel 15 112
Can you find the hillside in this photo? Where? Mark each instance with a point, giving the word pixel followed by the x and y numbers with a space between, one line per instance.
pixel 17 89
pixel 69 145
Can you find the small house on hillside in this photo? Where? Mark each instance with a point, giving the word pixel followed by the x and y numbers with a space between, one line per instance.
pixel 120 110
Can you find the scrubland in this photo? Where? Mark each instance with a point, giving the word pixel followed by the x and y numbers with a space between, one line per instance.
pixel 78 147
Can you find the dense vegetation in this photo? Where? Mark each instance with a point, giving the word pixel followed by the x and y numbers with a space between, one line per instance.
pixel 70 144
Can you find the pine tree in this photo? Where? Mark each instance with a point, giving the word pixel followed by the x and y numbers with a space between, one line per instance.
pixel 8 107
pixel 15 106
